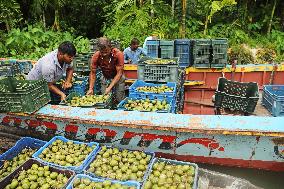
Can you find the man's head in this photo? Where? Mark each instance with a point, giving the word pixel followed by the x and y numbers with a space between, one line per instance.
pixel 66 52
pixel 134 44
pixel 104 45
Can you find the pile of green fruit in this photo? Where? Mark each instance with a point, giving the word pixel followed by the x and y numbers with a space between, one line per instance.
pixel 147 105
pixel 11 165
pixel 66 153
pixel 88 100
pixel 120 165
pixel 155 89
pixel 167 175
pixel 86 183
pixel 160 61
pixel 38 177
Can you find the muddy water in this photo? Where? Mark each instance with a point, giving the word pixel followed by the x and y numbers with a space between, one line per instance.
pixel 260 178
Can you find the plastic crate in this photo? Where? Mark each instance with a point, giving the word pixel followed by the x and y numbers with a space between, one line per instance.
pixel 77 87
pixel 180 100
pixel 273 99
pixel 33 95
pixel 81 62
pixel 236 95
pixel 133 93
pixel 77 169
pixel 105 105
pixel 28 164
pixel 153 48
pixel 175 162
pixel 182 50
pixel 25 66
pixel 170 100
pixel 219 47
pixel 25 142
pixel 167 49
pixel 158 73
pixel 127 183
pixel 201 53
pixel 9 68
pixel 152 154
pixel 98 83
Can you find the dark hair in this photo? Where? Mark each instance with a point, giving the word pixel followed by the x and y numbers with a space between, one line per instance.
pixel 67 48
pixel 103 43
pixel 134 41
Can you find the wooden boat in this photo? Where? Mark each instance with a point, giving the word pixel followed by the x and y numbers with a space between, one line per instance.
pixel 242 141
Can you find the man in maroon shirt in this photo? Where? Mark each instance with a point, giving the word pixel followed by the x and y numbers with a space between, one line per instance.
pixel 111 62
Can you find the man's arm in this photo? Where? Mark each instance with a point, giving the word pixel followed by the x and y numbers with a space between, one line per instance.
pixel 143 51
pixel 92 76
pixel 69 75
pixel 127 59
pixel 55 90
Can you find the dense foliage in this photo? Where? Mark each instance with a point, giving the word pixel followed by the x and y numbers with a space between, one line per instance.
pixel 255 29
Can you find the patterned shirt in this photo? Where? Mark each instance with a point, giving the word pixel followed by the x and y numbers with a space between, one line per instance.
pixel 134 56
pixel 108 67
pixel 48 68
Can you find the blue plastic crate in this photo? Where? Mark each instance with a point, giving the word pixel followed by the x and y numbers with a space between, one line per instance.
pixel 182 50
pixel 79 88
pixel 167 49
pixel 153 48
pixel 175 162
pixel 77 169
pixel 127 183
pixel 152 154
pixel 9 68
pixel 133 93
pixel 273 99
pixel 25 66
pixel 170 100
pixel 25 142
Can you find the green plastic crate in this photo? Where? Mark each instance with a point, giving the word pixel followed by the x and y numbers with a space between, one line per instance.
pixel 167 49
pixel 219 47
pixel 82 62
pixel 23 96
pixel 201 53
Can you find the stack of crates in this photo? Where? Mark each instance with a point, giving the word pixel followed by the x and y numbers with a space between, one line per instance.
pixel 23 96
pixel 209 53
pixel 167 49
pixel 9 68
pixel 159 73
pixel 82 62
pixel 219 58
pixel 273 99
pixel 182 51
pixel 25 66
pixel 153 47
pixel 201 53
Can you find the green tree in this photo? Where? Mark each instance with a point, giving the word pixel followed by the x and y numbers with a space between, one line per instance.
pixel 10 13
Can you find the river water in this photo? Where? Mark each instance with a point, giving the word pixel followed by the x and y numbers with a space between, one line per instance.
pixel 260 178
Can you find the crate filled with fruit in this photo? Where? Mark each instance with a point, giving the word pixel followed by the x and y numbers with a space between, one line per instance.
pixel 66 154
pixel 120 164
pixel 87 182
pixel 167 173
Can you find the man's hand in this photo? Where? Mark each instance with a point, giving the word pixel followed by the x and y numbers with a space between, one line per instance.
pixel 90 92
pixel 66 85
pixel 108 90
pixel 63 96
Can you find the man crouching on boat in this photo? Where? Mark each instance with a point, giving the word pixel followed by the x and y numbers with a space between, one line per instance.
pixel 53 65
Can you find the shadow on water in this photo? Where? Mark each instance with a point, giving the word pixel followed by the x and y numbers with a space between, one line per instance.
pixel 261 178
